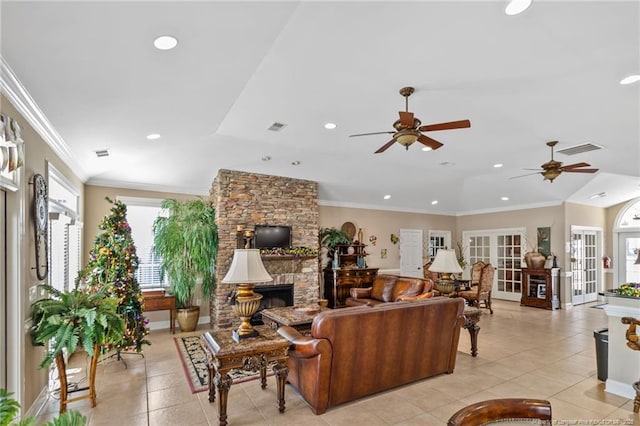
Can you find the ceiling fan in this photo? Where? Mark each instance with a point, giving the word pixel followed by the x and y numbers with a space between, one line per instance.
pixel 552 169
pixel 408 129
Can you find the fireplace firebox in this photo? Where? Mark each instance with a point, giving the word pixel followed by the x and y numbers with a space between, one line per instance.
pixel 273 296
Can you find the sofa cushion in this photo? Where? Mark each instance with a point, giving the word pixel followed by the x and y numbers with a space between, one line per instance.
pixel 382 288
pixel 406 287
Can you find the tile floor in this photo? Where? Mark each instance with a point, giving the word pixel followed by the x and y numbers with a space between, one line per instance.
pixel 523 352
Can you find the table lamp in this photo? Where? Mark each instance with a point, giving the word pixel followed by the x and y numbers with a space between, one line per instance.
pixel 446 264
pixel 246 270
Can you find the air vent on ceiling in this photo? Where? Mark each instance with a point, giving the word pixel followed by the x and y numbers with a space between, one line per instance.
pixel 579 149
pixel 102 153
pixel 275 127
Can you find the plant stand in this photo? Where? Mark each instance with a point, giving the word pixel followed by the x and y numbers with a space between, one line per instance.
pixel 64 385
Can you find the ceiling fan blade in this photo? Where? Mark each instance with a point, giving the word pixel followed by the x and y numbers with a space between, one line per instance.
pixel 406 119
pixel 375 133
pixel 431 143
pixel 384 147
pixel 580 170
pixel 460 124
pixel 573 166
pixel 528 174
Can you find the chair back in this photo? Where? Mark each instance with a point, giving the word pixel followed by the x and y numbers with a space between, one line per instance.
pixel 499 410
pixel 486 279
pixel 433 276
pixel 476 272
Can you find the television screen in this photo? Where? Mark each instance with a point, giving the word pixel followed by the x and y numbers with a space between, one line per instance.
pixel 271 236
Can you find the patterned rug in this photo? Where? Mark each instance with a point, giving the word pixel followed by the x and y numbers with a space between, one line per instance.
pixel 194 363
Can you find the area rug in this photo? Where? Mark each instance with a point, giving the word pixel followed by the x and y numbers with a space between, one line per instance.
pixel 194 363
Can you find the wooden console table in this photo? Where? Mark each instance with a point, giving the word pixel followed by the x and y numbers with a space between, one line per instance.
pixel 253 354
pixel 159 301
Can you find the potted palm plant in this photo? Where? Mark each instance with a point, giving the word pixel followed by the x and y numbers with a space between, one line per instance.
pixel 187 241
pixel 68 320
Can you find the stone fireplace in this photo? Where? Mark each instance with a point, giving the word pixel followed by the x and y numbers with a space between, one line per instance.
pixel 247 199
pixel 273 296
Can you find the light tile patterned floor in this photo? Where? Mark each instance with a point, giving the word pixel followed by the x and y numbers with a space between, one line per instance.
pixel 523 352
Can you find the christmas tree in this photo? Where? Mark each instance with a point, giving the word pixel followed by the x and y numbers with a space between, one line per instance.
pixel 112 263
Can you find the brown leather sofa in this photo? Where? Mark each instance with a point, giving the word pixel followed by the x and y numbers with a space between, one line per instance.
pixel 358 351
pixel 391 288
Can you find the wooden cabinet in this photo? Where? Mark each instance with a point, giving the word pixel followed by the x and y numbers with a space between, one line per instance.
pixel 338 282
pixel 540 288
pixel 349 270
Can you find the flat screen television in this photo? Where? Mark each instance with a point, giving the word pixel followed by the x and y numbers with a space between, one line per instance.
pixel 272 236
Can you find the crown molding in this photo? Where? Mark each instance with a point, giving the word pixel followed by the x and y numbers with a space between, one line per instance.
pixel 17 94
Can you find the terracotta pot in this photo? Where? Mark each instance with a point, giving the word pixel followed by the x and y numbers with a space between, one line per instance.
pixel 188 318
pixel 534 260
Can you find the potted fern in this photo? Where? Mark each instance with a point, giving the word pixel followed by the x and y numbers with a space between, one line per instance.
pixel 68 320
pixel 329 238
pixel 187 241
pixel 9 409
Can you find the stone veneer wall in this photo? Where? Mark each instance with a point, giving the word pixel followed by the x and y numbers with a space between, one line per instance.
pixel 249 199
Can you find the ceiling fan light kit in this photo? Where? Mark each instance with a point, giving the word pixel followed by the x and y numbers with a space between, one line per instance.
pixel 409 129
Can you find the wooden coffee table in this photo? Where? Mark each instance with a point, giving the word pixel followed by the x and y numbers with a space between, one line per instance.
pixel 298 317
pixel 253 354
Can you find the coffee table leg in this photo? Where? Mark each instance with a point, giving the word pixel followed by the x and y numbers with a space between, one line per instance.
pixel 212 389
pixel 223 383
pixel 281 370
pixel 263 376
pixel 473 333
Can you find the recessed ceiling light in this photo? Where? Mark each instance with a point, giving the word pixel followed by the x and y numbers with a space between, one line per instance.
pixel 266 158
pixel 295 163
pixel 447 164
pixel 165 42
pixel 497 166
pixel 598 195
pixel 630 79
pixel 330 126
pixel 517 6
pixel 426 148
pixel 434 202
pixel 386 197
pixel 100 153
pixel 504 198
pixel 153 136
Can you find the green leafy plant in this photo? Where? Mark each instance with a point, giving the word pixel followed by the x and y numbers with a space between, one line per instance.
pixel 78 317
pixel 628 289
pixel 9 409
pixel 187 242
pixel 331 237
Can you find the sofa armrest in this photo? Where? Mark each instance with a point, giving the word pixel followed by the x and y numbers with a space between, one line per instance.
pixel 423 296
pixel 360 293
pixel 302 346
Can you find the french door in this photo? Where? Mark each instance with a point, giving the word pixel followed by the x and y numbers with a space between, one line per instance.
pixel 584 265
pixel 3 291
pixel 502 248
pixel 628 246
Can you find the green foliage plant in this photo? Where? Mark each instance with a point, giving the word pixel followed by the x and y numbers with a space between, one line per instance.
pixel 78 317
pixel 331 237
pixel 187 241
pixel 9 409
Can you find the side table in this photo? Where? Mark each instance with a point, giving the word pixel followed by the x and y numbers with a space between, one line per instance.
pixel 253 354
pixel 159 301
pixel 298 317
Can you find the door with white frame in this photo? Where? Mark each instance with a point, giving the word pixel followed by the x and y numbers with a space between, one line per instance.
pixel 437 240
pixel 411 253
pixel 628 253
pixel 3 293
pixel 503 249
pixel 585 264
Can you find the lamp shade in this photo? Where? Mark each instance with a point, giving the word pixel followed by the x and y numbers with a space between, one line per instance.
pixel 446 262
pixel 246 268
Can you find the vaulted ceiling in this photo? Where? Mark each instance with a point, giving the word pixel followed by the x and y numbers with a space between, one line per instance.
pixel 550 73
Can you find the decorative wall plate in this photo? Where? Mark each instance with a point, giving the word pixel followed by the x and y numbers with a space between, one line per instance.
pixel 349 229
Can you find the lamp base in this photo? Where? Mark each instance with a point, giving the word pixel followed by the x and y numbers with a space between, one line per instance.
pixel 237 337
